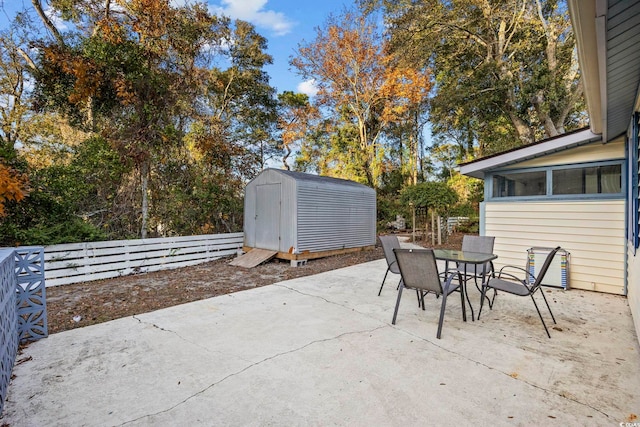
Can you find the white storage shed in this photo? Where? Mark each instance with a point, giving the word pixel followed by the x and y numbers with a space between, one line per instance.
pixel 305 216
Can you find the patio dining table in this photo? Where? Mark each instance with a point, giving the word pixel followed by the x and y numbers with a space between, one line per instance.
pixel 466 258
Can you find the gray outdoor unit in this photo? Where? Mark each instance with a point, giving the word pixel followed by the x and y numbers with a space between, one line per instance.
pixel 299 213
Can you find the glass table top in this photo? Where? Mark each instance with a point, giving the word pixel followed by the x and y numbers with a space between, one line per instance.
pixel 463 256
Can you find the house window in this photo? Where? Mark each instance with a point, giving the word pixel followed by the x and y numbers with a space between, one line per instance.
pixel 520 184
pixel 590 180
pixel 585 181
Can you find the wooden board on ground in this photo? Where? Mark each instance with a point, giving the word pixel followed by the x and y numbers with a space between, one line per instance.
pixel 253 257
pixel 313 255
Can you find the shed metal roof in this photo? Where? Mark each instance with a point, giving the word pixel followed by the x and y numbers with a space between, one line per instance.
pixel 302 176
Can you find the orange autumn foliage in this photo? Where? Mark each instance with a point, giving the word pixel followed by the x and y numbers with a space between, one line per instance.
pixel 13 186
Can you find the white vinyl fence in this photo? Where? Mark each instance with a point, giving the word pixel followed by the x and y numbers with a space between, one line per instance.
pixel 81 262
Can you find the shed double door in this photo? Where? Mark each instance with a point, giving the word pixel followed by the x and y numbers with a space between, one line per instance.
pixel 268 216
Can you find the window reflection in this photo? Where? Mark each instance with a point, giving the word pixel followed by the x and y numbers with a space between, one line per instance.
pixel 591 180
pixel 520 184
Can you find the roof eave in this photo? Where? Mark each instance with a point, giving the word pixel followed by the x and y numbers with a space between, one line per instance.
pixel 590 32
pixel 479 168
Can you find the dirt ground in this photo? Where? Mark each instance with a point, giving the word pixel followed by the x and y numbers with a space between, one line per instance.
pixel 83 304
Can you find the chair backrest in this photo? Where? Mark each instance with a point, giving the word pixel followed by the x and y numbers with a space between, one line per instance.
pixel 543 270
pixel 389 243
pixel 418 269
pixel 482 244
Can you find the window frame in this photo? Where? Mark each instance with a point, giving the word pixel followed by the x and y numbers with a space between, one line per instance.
pixel 549 183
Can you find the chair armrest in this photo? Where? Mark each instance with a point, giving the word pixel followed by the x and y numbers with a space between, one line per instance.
pixel 492 270
pixel 450 272
pixel 513 276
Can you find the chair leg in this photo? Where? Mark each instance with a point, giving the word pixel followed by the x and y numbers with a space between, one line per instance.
pixel 464 306
pixel 483 294
pixel 385 278
pixel 540 315
pixel 463 285
pixel 549 308
pixel 395 312
pixel 442 307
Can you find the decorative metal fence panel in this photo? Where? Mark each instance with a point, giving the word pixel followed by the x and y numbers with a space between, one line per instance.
pixel 31 294
pixel 8 320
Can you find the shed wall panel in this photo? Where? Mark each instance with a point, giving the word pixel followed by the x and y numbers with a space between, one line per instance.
pixel 287 202
pixel 595 152
pixel 335 218
pixel 592 231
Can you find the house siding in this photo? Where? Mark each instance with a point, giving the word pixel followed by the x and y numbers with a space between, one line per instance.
pixel 593 232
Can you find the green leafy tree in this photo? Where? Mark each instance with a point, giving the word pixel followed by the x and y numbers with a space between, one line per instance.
pixel 431 195
pixel 69 201
pixel 362 87
pixel 296 116
pixel 128 76
pixel 506 72
pixel 238 117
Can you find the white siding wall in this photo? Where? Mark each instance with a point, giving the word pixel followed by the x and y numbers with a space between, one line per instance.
pixel 592 231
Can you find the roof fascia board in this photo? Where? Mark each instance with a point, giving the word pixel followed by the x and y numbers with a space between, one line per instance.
pixel 477 169
pixel 601 41
pixel 583 14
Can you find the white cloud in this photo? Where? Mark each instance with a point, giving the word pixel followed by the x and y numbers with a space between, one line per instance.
pixel 308 87
pixel 253 11
pixel 55 19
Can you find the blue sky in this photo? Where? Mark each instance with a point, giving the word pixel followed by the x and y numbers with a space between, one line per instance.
pixel 285 23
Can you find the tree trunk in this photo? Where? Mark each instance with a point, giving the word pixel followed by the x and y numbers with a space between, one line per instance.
pixel 524 132
pixel 144 184
pixel 415 151
pixel 287 153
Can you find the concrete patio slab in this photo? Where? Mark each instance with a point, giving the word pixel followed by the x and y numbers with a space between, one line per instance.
pixel 321 350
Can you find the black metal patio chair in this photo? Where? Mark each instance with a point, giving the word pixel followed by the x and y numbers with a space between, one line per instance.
pixel 389 243
pixel 419 271
pixel 481 244
pixel 524 286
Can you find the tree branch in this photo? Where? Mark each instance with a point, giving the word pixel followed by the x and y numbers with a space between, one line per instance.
pixel 27 59
pixel 47 22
